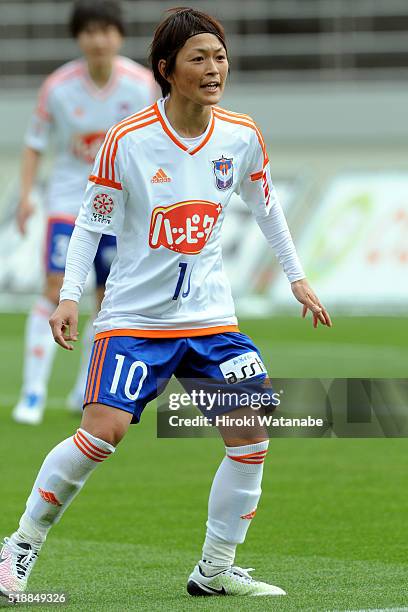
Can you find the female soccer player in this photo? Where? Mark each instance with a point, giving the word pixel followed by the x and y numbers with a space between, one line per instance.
pixel 161 183
pixel 77 104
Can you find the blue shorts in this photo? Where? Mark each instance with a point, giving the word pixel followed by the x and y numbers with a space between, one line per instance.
pixel 59 232
pixel 127 372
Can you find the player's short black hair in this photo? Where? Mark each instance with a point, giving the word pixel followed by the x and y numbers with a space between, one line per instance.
pixel 170 35
pixel 106 12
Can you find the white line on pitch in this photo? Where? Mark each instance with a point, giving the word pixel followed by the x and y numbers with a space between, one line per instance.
pixel 377 610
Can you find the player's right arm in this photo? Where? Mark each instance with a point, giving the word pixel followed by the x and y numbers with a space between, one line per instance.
pixel 29 169
pixel 36 141
pixel 80 256
pixel 64 324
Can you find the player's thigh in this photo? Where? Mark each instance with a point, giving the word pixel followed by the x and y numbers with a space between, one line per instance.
pixel 230 367
pixel 230 357
pixel 105 422
pixel 126 373
pixel 242 428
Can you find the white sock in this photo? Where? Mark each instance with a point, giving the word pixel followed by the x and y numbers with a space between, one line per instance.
pixel 62 475
pixel 234 496
pixel 39 348
pixel 87 344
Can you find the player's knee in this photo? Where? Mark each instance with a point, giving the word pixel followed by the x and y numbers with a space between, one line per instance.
pixel 106 423
pixel 108 432
pixel 111 435
pixel 236 435
pixel 244 440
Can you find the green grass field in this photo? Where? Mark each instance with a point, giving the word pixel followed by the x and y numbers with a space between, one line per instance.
pixel 332 525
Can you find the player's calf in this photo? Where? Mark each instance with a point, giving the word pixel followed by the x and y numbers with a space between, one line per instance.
pixel 62 475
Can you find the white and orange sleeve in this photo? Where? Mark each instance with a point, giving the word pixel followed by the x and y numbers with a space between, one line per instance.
pixel 258 192
pixel 38 131
pixel 80 257
pixel 103 207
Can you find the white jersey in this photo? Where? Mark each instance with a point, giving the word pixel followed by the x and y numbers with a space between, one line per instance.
pixel 78 114
pixel 166 203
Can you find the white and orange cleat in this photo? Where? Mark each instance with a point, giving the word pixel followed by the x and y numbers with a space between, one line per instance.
pixel 16 563
pixel 230 581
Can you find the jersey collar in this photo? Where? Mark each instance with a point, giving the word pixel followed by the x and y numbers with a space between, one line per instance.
pixel 100 92
pixel 172 134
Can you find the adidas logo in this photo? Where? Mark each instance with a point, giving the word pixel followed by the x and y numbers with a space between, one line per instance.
pixel 49 497
pixel 250 515
pixel 160 177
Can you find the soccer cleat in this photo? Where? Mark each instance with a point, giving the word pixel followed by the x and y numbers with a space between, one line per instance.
pixel 232 581
pixel 16 563
pixel 30 409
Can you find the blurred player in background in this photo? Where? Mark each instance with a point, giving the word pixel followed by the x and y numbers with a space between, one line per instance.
pixel 161 184
pixel 77 104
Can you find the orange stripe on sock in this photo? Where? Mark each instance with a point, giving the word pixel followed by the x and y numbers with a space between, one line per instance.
pixel 85 446
pixel 259 460
pixel 101 362
pixel 263 452
pixel 84 452
pixel 83 438
pixel 245 461
pixel 251 458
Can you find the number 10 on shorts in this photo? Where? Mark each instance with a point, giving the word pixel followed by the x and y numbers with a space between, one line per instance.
pixel 137 367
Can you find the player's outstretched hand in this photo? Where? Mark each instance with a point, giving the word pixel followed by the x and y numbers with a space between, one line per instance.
pixel 64 324
pixel 24 211
pixel 306 296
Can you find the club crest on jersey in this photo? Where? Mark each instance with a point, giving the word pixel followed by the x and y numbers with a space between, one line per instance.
pixel 184 227
pixel 102 207
pixel 224 172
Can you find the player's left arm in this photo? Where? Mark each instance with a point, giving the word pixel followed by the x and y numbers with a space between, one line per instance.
pixel 258 192
pixel 306 296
